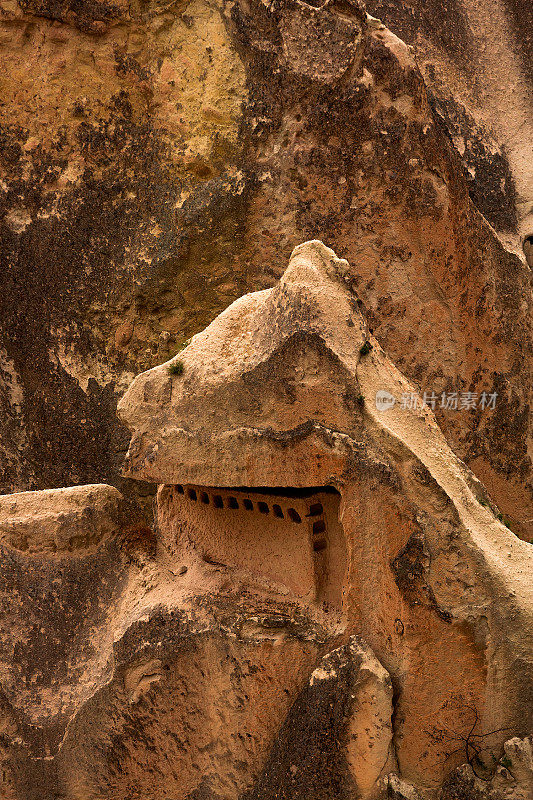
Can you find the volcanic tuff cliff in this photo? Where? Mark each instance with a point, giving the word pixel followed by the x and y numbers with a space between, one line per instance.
pixel 327 606
pixel 330 598
pixel 159 160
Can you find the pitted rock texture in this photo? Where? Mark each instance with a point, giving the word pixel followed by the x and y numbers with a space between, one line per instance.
pixel 62 521
pixel 279 391
pixel 513 777
pixel 112 116
pixel 334 598
pixel 325 606
pixel 171 159
pixel 476 59
pixel 126 674
pixel 337 738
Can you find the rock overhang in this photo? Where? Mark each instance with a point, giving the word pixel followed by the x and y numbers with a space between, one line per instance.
pixel 307 420
pixel 271 380
pixel 277 396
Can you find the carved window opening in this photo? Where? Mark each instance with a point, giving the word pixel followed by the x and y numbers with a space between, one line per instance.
pixel 291 536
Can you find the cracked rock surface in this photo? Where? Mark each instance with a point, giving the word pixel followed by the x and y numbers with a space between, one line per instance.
pixel 288 219
pixel 327 604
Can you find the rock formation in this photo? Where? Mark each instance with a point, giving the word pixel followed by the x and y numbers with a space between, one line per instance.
pixel 158 161
pixel 470 54
pixel 280 392
pixel 329 606
pixel 310 579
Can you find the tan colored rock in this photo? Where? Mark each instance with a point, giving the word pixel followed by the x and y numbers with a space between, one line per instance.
pixel 123 670
pixel 280 391
pixel 293 514
pixel 322 47
pixel 476 59
pixel 370 748
pixel 301 551
pixel 157 163
pixel 513 778
pixel 194 705
pixel 123 334
pixel 337 738
pixel 62 521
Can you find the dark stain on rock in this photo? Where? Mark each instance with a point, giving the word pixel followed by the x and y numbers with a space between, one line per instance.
pixel 409 568
pixel 90 16
pixel 444 22
pixel 490 182
pixel 307 759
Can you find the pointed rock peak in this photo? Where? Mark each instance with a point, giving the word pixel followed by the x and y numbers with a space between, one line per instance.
pixel 274 361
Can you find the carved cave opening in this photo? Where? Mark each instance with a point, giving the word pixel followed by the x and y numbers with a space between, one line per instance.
pixel 291 536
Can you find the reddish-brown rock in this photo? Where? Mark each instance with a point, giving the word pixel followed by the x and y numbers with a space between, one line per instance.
pixel 334 600
pixel 171 160
pixel 328 605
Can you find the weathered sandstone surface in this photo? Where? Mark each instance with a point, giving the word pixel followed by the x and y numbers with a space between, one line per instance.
pixel 327 607
pixel 279 391
pixel 160 160
pixel 476 57
pixel 320 591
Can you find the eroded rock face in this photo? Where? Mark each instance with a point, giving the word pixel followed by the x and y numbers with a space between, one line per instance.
pixel 62 521
pixel 170 161
pixel 327 604
pixel 513 777
pixel 126 673
pixel 337 739
pixel 65 556
pixel 471 53
pixel 279 392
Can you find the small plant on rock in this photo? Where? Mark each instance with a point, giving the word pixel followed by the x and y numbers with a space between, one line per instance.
pixel 176 368
pixel 365 349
